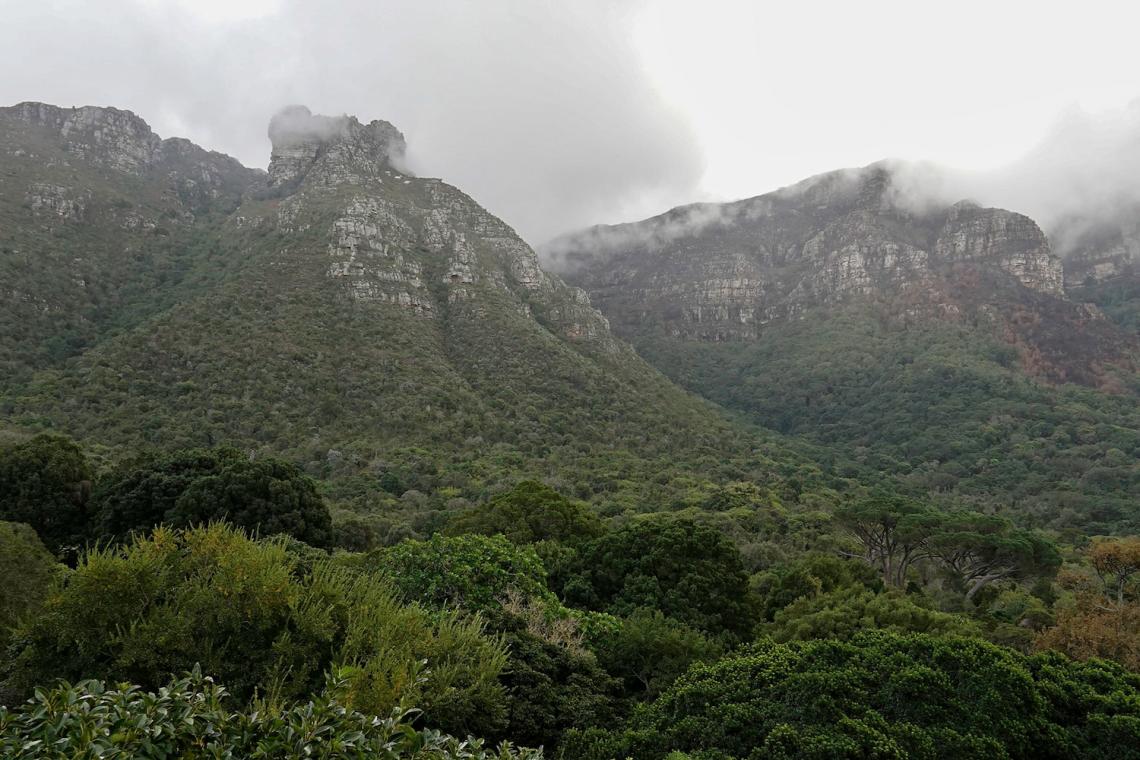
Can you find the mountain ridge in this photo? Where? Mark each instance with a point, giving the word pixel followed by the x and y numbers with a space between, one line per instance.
pixel 725 271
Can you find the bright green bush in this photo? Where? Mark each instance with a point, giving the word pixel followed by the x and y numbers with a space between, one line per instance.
pixel 240 609
pixel 472 572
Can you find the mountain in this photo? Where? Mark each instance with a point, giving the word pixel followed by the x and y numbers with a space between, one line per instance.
pixel 376 326
pixel 935 341
pixel 96 214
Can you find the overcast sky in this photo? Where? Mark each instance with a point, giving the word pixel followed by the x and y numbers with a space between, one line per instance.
pixel 557 115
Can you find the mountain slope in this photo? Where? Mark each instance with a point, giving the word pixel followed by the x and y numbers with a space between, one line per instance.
pixel 937 344
pixel 371 323
pixel 100 222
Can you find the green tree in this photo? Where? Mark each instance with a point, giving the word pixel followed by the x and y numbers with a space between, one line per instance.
pixel 528 513
pixel 649 650
pixel 196 486
pixel 892 532
pixel 883 695
pixel 690 571
pixel 980 550
pixel 472 572
pixel 239 608
pixel 45 482
pixel 809 576
pixel 28 569
pixel 551 686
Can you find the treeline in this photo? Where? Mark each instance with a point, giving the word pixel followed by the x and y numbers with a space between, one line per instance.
pixel 886 627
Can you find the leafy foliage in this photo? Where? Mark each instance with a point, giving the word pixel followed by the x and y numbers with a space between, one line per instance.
pixel 528 513
pixel 687 570
pixel 1102 618
pixel 28 570
pixel 211 596
pixel 895 533
pixel 471 572
pixel 649 650
pixel 190 717
pixel 552 687
pixel 840 614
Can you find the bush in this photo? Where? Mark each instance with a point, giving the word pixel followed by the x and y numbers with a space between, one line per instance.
pixel 242 610
pixel 191 717
pixel 528 513
pixel 27 569
pixel 472 572
pixel 690 571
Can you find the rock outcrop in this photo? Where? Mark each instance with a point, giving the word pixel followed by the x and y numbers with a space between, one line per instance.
pixel 121 141
pixel 1100 251
pixel 724 272
pixel 339 148
pixel 414 242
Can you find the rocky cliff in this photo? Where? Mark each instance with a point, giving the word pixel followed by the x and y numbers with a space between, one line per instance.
pixel 400 239
pixel 725 272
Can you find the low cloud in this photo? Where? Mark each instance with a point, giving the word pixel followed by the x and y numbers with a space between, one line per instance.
pixel 1082 179
pixel 540 110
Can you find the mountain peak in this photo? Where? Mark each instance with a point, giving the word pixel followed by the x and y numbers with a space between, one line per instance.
pixel 340 148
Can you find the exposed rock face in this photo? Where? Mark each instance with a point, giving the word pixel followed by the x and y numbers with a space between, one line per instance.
pixel 399 239
pixel 723 272
pixel 121 141
pixel 340 148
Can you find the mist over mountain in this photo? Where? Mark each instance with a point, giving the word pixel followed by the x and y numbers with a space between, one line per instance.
pixel 336 423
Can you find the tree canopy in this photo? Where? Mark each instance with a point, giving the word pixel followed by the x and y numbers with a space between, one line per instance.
pixel 687 570
pixel 45 482
pixel 195 486
pixel 884 695
pixel 530 512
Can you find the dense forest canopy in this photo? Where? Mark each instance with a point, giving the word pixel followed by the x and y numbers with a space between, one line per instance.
pixel 527 618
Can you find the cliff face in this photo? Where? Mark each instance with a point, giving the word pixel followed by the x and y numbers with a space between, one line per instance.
pixel 122 142
pixel 725 272
pixel 399 239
